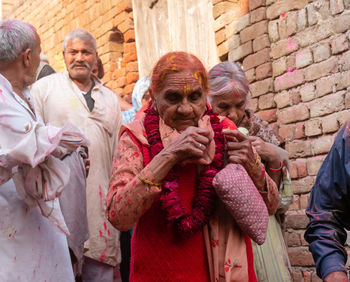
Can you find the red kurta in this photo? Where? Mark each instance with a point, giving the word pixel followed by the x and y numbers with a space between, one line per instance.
pixel 158 252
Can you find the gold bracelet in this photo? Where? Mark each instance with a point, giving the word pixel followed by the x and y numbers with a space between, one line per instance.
pixel 149 182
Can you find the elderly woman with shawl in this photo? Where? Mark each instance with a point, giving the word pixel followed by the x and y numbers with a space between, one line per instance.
pixel 229 96
pixel 162 181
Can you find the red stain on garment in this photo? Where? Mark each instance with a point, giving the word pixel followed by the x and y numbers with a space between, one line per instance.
pixel 105 225
pixel 103 255
pixel 283 15
pixel 101 233
pixel 101 196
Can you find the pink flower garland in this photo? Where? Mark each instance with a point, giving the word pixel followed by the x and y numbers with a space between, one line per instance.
pixel 205 197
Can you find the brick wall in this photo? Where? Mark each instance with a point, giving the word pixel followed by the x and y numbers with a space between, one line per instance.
pixel 295 54
pixel 110 21
pixel 296 57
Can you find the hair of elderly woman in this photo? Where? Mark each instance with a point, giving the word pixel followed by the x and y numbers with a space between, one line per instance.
pixel 15 37
pixel 227 77
pixel 80 34
pixel 173 62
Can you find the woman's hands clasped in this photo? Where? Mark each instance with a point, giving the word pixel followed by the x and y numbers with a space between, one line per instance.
pixel 239 149
pixel 189 145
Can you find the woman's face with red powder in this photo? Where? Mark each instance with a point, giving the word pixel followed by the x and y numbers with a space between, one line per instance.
pixel 182 100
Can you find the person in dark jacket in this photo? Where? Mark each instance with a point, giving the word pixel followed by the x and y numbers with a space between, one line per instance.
pixel 329 211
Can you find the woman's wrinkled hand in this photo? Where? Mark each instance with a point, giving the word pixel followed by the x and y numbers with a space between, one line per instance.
pixel 239 149
pixel 264 150
pixel 337 276
pixel 190 144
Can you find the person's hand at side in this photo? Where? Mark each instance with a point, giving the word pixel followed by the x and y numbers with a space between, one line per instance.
pixel 337 276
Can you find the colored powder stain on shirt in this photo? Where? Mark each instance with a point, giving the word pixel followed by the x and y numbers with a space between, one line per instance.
pixel 103 255
pixel 73 103
pixel 101 196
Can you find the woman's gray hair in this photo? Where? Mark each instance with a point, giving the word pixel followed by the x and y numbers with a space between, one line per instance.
pixel 227 77
pixel 15 37
pixel 80 34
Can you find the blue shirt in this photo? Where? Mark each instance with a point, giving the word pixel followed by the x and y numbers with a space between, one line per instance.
pixel 329 208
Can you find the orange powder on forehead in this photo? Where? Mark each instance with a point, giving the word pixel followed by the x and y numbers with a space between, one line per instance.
pixel 178 62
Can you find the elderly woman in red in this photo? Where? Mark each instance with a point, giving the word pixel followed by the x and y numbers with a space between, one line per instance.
pixel 162 182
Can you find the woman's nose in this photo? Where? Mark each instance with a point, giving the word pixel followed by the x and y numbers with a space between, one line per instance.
pixel 232 115
pixel 185 109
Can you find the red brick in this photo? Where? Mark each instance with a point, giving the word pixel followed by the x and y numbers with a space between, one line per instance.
pixel 256 59
pixel 301 167
pixel 293 239
pixel 303 185
pixel 327 104
pixel 129 88
pixel 321 69
pixel 263 71
pixel 241 51
pixel 132 67
pixel 288 25
pixel 286 132
pixel 253 31
pixel 130 47
pixel 304 201
pixel 253 4
pixel 268 115
pixel 296 221
pixel 220 36
pixel 126 25
pixel 279 7
pixel 313 127
pixel 283 99
pixel 261 87
pixel 129 36
pixel 118 73
pixel 295 96
pixel 291 62
pixel 307 276
pixel 258 15
pixel 266 101
pixel 299 131
pixel 294 206
pixel 261 42
pixel 120 18
pixel 292 114
pixel 124 5
pixel 132 77
pixel 297 275
pixel 289 79
pixel 323 144
pixel 121 82
pixel 130 57
pixel 299 148
pixel 301 257
pixel 315 278
pixel 284 47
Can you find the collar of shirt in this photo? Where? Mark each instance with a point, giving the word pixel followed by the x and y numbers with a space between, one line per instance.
pixel 8 88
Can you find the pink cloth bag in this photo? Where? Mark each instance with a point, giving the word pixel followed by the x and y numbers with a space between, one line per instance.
pixel 242 199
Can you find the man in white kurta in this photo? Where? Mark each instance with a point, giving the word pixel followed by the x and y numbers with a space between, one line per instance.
pixel 59 98
pixel 32 248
